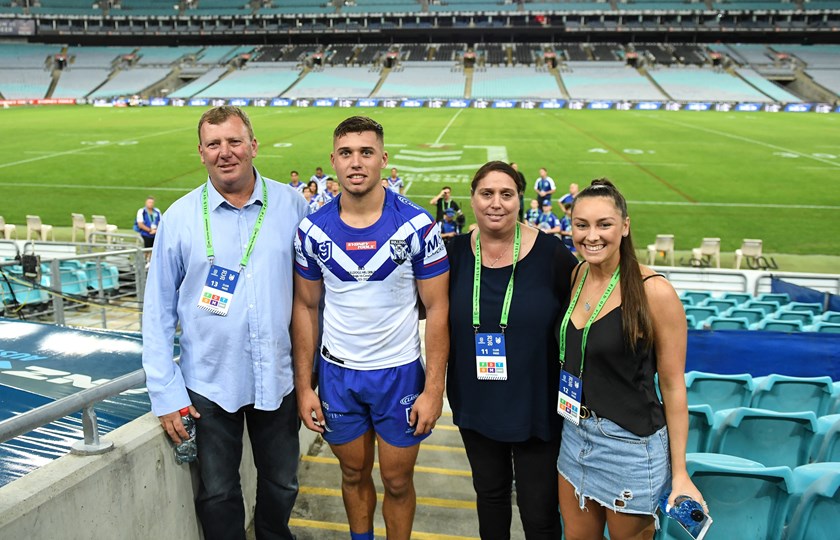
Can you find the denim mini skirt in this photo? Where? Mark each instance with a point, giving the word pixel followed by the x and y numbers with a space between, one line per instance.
pixel 614 467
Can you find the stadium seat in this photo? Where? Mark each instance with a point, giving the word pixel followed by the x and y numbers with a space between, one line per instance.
pixel 690 321
pixel 826 327
pixel 728 323
pixel 766 307
pixel 36 229
pixel 745 499
pixel 831 317
pixel 827 440
pixel 772 325
pixel 721 303
pixel 708 251
pixel 9 230
pixel 805 317
pixel 814 308
pixel 700 421
pixel 80 224
pixel 835 400
pixel 784 393
pixel 768 437
pixel 687 301
pixel 781 298
pixel 753 315
pixel 696 296
pixel 750 249
pixel 101 225
pixel 738 297
pixel 719 391
pixel 701 314
pixel 102 276
pixel 664 244
pixel 817 513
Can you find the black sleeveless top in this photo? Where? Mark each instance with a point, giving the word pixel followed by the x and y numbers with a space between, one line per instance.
pixel 525 405
pixel 617 383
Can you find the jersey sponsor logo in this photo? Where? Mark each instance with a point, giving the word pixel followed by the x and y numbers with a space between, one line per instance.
pixel 360 246
pixel 399 251
pixel 409 399
pixel 325 251
pixel 434 245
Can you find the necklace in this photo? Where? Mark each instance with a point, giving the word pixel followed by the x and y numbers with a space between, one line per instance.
pixel 497 259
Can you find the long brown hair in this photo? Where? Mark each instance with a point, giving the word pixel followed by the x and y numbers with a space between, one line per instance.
pixel 635 312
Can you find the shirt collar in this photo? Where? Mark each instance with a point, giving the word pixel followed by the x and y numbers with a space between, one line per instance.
pixel 215 199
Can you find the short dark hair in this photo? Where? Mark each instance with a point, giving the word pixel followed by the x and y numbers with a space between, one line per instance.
pixel 499 166
pixel 294 172
pixel 219 115
pixel 359 124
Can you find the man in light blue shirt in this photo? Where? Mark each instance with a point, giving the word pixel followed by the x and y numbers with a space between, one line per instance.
pixel 235 364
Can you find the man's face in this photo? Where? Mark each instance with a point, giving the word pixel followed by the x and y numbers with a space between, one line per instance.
pixel 294 177
pixel 447 194
pixel 227 153
pixel 150 204
pixel 393 173
pixel 358 159
pixel 543 173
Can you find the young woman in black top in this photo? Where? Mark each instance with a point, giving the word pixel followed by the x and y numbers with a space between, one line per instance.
pixel 622 449
pixel 504 398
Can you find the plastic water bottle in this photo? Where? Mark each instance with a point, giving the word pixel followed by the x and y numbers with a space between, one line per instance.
pixel 187 451
pixel 688 512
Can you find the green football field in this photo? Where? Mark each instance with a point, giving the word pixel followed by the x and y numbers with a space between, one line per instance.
pixel 693 174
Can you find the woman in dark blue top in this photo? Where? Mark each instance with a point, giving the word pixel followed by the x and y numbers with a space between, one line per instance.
pixel 503 369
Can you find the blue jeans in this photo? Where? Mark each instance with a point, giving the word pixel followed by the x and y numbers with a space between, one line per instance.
pixel 276 449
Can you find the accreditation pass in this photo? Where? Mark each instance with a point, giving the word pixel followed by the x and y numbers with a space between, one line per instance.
pixel 218 290
pixel 490 358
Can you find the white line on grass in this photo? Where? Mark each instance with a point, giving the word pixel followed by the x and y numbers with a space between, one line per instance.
pixel 407 187
pixel 746 139
pixel 442 133
pixel 89 148
pixel 89 187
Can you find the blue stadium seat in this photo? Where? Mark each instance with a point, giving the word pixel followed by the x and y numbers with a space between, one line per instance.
pixel 781 298
pixel 696 296
pixel 738 297
pixel 721 303
pixel 719 391
pixel 728 323
pixel 769 437
pixel 826 327
pixel 687 301
pixel 805 317
pixel 835 399
pixel 784 393
pixel 817 514
pixel 690 321
pixel 831 317
pixel 753 315
pixel 746 500
pixel 106 273
pixel 827 441
pixel 700 421
pixel 700 314
pixel 766 307
pixel 773 325
pixel 815 308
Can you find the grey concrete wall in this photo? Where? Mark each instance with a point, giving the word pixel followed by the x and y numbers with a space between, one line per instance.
pixel 136 491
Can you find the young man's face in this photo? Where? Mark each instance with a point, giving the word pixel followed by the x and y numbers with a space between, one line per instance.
pixel 358 159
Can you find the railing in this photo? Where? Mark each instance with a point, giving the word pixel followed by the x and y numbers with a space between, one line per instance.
pixel 754 282
pixel 84 400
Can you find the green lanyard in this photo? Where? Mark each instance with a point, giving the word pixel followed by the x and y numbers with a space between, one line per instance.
pixel 208 237
pixel 568 316
pixel 517 242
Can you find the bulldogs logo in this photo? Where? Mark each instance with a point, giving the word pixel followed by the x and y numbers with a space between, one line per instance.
pixel 399 251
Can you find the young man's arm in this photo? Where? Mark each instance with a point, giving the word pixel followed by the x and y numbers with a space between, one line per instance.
pixel 434 293
pixel 304 340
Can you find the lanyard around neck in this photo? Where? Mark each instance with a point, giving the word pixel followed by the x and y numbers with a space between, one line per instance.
pixel 208 237
pixel 568 316
pixel 517 242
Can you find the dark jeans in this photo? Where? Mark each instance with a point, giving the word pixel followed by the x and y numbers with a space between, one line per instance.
pixel 276 449
pixel 494 465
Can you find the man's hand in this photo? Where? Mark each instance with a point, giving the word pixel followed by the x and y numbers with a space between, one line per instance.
pixel 174 427
pixel 309 403
pixel 425 412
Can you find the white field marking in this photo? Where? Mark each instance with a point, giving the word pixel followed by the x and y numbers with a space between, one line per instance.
pixel 405 157
pixel 425 153
pixel 92 147
pixel 494 153
pixel 697 204
pixel 407 187
pixel 649 164
pixel 748 140
pixel 88 186
pixel 442 133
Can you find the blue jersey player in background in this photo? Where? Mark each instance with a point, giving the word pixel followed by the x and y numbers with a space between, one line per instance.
pixel 375 252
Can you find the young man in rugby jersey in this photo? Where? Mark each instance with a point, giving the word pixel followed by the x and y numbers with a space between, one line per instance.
pixel 375 252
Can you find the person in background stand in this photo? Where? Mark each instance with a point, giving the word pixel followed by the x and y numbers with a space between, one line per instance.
pixel 229 239
pixel 395 183
pixel 449 227
pixel 503 369
pixel 295 183
pixel 319 178
pixel 569 197
pixel 547 222
pixel 442 202
pixel 544 186
pixel 623 449
pixel 533 213
pixel 566 227
pixel 146 223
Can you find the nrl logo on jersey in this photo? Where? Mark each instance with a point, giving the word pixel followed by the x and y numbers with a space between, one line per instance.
pixel 325 251
pixel 399 251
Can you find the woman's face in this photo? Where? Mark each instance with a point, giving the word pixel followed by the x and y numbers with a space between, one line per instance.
pixel 597 229
pixel 495 202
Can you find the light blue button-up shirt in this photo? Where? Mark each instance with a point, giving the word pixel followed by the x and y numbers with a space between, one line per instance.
pixel 245 357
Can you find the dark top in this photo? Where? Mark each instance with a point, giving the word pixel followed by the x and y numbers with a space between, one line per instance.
pixel 441 206
pixel 617 383
pixel 525 405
